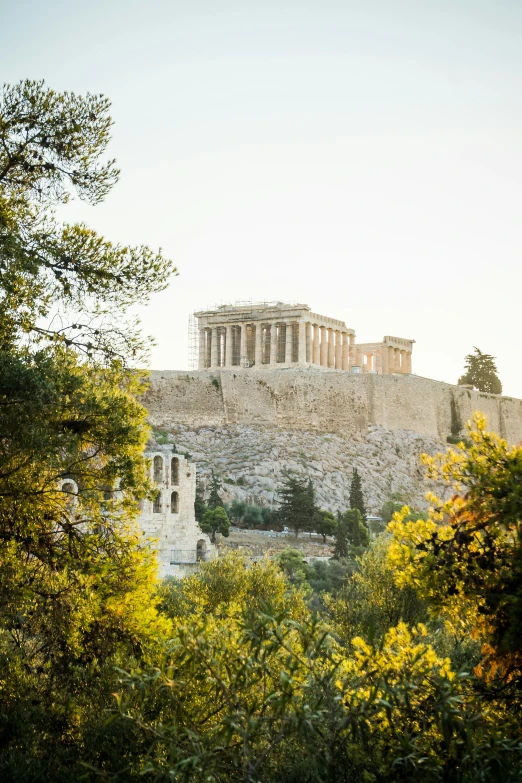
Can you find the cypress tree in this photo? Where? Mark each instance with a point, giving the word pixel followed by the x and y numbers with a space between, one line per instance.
pixel 214 499
pixel 356 494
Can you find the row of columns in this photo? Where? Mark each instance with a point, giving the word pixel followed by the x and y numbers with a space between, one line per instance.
pixel 386 360
pixel 302 343
pixel 258 343
pixel 331 348
pixel 262 344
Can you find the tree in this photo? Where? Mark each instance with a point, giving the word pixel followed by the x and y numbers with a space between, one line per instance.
pixel 269 517
pixel 342 541
pixel 253 516
pixel 296 503
pixel 351 535
pixel 293 565
pixel 325 523
pixel 76 583
pixel 356 493
pixel 357 531
pixel 237 510
pixel 481 373
pixel 466 559
pixel 214 521
pixel 52 145
pixel 214 499
pixel 199 503
pixel 370 602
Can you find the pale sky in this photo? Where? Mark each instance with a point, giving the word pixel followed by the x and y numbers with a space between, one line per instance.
pixel 361 157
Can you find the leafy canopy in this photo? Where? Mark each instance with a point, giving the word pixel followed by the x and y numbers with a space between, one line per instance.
pixel 297 507
pixel 466 559
pixel 481 373
pixel 76 582
pixel 214 521
pixel 59 282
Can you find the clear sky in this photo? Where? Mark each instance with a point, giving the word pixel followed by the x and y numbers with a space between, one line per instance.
pixel 361 157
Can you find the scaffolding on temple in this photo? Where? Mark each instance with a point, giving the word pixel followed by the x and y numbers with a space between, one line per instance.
pixel 193 343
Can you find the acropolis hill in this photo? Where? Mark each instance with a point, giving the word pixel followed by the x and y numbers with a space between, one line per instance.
pixel 283 388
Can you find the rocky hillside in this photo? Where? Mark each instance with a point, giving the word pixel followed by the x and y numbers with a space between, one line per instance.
pixel 251 460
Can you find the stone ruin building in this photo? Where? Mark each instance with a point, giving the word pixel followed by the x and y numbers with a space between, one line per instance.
pixel 275 335
pixel 169 523
pixel 170 520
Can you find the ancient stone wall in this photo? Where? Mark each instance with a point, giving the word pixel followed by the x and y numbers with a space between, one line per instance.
pixel 324 402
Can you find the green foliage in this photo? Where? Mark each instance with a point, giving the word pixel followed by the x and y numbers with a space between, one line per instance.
pixel 370 602
pixel 214 521
pixel 325 523
pixel 391 507
pixel 229 586
pixel 162 437
pixel 356 494
pixel 293 565
pixel 481 374
pixel 255 689
pixel 214 498
pixel 200 507
pixel 351 534
pixel 253 516
pixel 228 675
pixel 236 510
pixel 269 518
pixel 215 383
pixel 466 560
pixel 76 583
pixel 297 507
pixel 52 146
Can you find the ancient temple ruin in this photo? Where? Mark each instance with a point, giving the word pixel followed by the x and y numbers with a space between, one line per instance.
pixel 169 522
pixel 275 335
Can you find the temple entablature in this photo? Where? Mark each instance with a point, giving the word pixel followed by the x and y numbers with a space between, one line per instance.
pixel 277 335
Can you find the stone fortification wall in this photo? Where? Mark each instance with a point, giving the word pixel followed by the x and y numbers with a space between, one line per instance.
pixel 324 402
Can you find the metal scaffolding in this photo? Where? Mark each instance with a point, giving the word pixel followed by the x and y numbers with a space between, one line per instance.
pixel 193 343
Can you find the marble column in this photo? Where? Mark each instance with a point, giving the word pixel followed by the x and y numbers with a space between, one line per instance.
pixel 243 344
pixel 301 350
pixel 331 348
pixel 308 343
pixel 273 345
pixel 266 343
pixel 258 352
pixel 324 348
pixel 288 342
pixel 345 352
pixel 377 362
pixel 338 350
pixel 208 342
pixel 214 348
pixel 391 360
pixel 403 361
pixel 408 362
pixel 201 351
pixel 316 354
pixel 359 357
pixel 396 360
pixel 228 346
pixel 384 359
pixel 352 351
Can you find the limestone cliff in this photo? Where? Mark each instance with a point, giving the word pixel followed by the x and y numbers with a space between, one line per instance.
pixel 252 425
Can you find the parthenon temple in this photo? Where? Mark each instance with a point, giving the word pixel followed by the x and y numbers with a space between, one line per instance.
pixel 275 335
